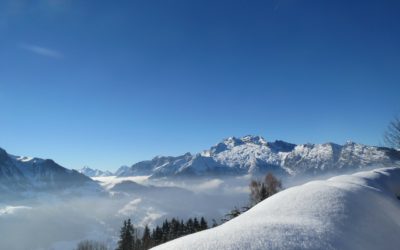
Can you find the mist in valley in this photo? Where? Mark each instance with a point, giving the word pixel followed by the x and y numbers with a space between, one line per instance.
pixel 54 221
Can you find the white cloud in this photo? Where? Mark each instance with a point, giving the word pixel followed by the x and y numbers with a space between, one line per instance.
pixel 41 51
pixel 129 208
pixel 12 209
pixel 210 184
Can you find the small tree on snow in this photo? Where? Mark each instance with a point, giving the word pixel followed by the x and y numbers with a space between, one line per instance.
pixel 392 134
pixel 260 190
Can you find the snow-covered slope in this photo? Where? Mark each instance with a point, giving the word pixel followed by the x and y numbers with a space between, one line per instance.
pixel 94 172
pixel 35 174
pixel 359 211
pixel 254 155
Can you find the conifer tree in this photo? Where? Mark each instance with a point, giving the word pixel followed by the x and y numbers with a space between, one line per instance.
pixel 189 226
pixel 196 225
pixel 203 224
pixel 146 238
pixel 158 235
pixel 182 228
pixel 126 238
pixel 174 228
pixel 165 231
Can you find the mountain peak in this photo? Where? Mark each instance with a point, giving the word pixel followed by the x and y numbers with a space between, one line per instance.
pixel 255 139
pixel 232 141
pixel 27 173
pixel 90 172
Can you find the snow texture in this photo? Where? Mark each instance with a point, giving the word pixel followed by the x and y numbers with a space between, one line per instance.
pixel 359 211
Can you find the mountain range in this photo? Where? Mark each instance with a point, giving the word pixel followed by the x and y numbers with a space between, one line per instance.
pixel 254 155
pixel 94 172
pixel 231 157
pixel 34 174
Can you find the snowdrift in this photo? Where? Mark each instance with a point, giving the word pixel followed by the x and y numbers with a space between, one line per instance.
pixel 359 211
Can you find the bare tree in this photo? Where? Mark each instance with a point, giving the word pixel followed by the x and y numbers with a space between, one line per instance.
pixel 260 190
pixel 392 134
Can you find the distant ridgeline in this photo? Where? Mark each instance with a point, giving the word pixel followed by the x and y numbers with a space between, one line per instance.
pixel 254 155
pixel 24 174
pixel 231 157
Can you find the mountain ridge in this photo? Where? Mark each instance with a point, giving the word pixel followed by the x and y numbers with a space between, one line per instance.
pixel 255 155
pixel 93 172
pixel 36 174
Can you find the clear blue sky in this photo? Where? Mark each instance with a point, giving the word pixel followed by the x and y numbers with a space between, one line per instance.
pixel 106 83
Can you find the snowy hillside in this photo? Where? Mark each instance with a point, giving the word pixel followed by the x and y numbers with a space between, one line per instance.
pixel 94 172
pixel 359 211
pixel 34 174
pixel 254 155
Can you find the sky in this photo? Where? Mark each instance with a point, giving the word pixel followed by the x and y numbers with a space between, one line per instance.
pixel 110 83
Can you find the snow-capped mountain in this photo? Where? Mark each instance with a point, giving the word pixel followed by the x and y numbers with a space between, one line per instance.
pixel 90 172
pixel 255 155
pixel 35 174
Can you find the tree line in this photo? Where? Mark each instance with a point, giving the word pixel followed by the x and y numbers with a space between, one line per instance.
pixel 132 239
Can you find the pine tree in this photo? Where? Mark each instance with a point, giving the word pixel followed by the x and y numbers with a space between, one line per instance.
pixel 137 242
pixel 157 236
pixel 182 229
pixel 121 242
pixel 196 225
pixel 174 229
pixel 130 235
pixel 126 238
pixel 146 238
pixel 203 224
pixel 165 231
pixel 189 226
